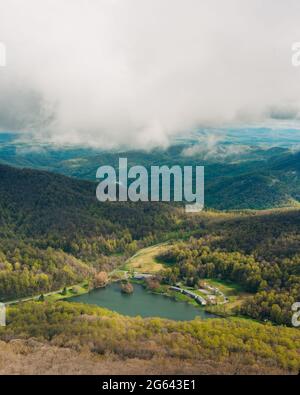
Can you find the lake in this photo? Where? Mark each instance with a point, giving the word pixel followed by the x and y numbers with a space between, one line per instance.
pixel 142 303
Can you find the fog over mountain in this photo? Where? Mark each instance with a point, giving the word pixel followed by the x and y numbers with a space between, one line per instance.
pixel 110 73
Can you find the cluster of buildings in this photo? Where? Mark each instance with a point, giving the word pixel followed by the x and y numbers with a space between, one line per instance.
pixel 210 293
pixel 199 299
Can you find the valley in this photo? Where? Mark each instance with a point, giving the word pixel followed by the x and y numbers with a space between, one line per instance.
pixel 41 253
pixel 56 239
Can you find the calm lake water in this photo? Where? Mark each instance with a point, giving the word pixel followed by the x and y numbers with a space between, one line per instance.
pixel 142 303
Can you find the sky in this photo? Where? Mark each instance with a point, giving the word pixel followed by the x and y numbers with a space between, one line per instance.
pixel 137 73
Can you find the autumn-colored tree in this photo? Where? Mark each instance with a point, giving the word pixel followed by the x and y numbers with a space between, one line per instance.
pixel 127 288
pixel 152 283
pixel 100 280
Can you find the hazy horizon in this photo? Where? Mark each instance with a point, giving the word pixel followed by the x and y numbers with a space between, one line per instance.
pixel 138 73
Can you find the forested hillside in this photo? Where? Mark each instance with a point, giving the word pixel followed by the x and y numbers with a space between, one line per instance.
pixel 258 251
pixel 53 231
pixel 212 346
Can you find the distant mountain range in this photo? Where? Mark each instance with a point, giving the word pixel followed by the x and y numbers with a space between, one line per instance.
pixel 238 175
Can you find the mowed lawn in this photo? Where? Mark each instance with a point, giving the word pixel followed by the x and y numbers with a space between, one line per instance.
pixel 145 261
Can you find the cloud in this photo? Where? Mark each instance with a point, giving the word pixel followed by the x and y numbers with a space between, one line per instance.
pixel 207 141
pixel 212 144
pixel 137 72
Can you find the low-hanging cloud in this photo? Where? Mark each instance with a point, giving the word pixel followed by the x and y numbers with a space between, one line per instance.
pixel 111 73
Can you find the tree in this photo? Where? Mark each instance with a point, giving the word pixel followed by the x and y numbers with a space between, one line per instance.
pixel 127 288
pixel 42 298
pixel 100 280
pixel 152 283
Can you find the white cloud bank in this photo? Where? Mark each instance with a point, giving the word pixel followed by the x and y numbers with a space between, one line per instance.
pixel 110 73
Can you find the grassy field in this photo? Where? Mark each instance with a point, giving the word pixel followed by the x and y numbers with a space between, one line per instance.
pixel 75 290
pixel 145 261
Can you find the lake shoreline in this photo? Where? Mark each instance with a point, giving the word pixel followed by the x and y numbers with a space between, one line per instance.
pixel 143 303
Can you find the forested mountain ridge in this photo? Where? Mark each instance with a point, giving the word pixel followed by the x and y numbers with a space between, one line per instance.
pixel 36 204
pixel 236 176
pixel 43 203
